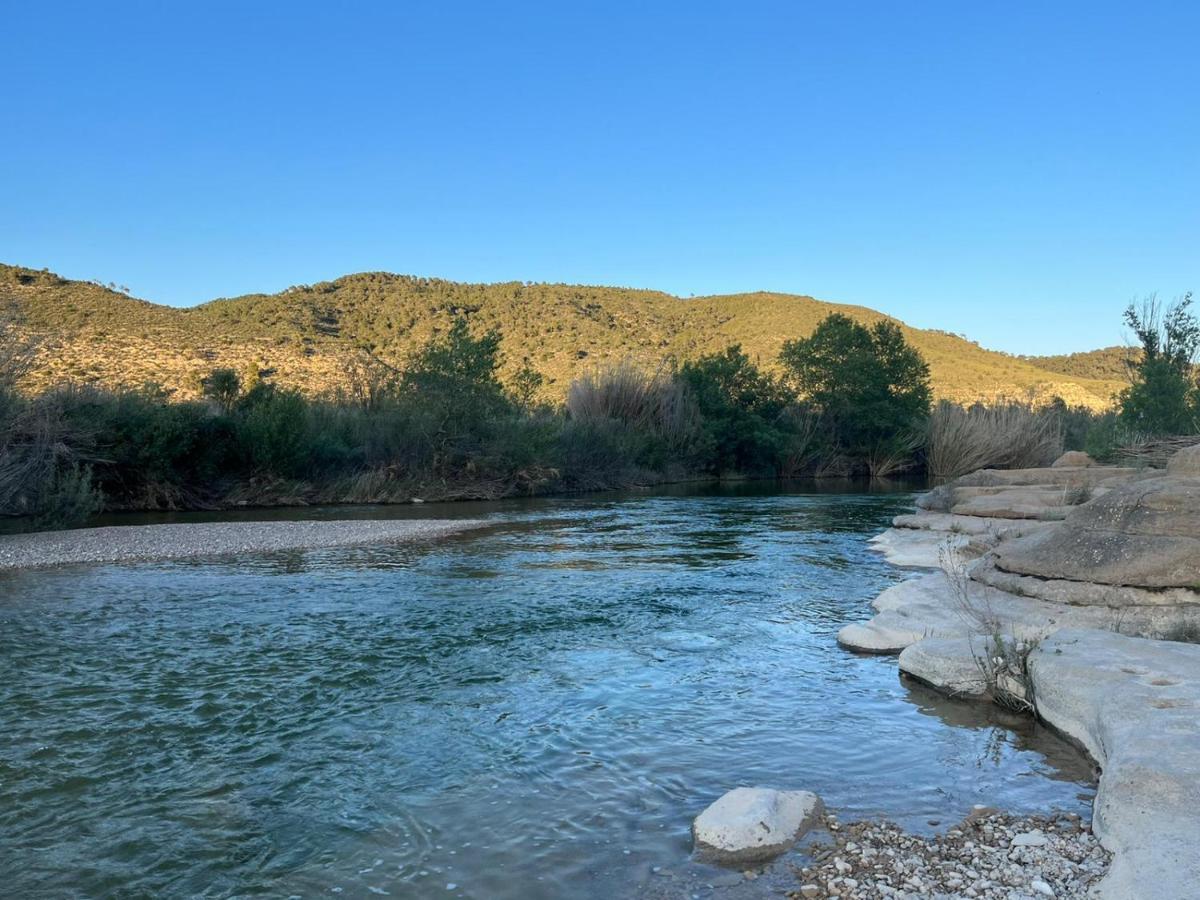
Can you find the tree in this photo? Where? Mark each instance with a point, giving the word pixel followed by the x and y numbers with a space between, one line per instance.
pixel 525 384
pixel 458 372
pixel 871 387
pixel 223 387
pixel 741 409
pixel 1163 397
pixel 451 390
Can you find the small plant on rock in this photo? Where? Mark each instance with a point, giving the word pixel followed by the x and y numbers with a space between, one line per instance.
pixel 1002 659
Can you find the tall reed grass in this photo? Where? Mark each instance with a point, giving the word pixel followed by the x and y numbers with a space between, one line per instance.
pixel 1009 435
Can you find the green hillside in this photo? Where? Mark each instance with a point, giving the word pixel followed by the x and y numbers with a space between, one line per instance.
pixel 1108 364
pixel 307 334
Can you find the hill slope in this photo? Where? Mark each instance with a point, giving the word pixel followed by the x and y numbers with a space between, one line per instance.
pixel 1107 364
pixel 308 333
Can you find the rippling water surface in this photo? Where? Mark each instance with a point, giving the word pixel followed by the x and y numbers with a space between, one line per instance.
pixel 536 710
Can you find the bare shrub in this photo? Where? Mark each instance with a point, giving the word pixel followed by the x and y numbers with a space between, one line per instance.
pixel 804 441
pixel 626 393
pixel 1155 452
pixel 1002 658
pixel 895 455
pixel 42 473
pixel 1009 435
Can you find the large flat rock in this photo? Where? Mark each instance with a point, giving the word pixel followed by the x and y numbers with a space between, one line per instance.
pixel 1145 533
pixel 1063 476
pixel 1134 705
pixel 933 605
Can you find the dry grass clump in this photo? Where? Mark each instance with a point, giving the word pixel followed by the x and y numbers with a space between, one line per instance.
pixel 1009 435
pixel 626 393
pixel 1155 452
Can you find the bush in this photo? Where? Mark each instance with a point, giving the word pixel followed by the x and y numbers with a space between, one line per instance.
pixel 1164 398
pixel 1003 436
pixel 871 387
pixel 656 415
pixel 273 433
pixel 741 410
pixel 67 498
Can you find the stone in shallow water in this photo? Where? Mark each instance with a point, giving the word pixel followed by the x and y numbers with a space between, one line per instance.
pixel 754 824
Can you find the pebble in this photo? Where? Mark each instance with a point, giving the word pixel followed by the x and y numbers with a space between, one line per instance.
pixel 139 543
pixel 989 856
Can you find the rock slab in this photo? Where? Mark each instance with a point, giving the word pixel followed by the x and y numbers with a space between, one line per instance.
pixel 750 825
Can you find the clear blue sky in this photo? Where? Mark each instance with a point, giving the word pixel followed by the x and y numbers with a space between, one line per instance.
pixel 1015 171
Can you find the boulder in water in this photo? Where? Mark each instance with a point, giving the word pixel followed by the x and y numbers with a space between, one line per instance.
pixel 751 825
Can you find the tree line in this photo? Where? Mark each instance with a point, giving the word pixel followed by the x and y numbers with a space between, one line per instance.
pixel 847 400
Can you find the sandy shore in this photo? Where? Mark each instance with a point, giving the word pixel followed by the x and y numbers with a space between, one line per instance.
pixel 138 543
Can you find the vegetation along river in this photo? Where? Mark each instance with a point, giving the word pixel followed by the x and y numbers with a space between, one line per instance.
pixel 538 709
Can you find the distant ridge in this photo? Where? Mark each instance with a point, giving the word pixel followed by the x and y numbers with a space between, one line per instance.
pixel 307 334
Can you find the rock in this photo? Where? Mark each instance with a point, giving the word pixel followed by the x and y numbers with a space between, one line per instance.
pixel 1046 502
pixel 974 526
pixel 1142 534
pixel 1092 476
pixel 1185 463
pixel 1073 459
pixel 1029 839
pixel 1042 888
pixel 754 824
pixel 809 890
pixel 1133 704
pixel 931 606
pixel 949 664
pixel 919 548
pixel 937 499
pixel 1163 607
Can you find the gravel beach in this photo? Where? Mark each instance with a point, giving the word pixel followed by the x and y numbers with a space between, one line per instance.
pixel 990 856
pixel 139 543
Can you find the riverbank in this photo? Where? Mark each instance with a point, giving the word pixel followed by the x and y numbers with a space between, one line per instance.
pixel 145 543
pixel 1054 591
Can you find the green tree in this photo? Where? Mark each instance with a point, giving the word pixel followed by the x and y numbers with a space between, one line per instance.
pixel 223 387
pixel 1163 397
pixel 525 384
pixel 457 373
pixel 870 386
pixel 741 410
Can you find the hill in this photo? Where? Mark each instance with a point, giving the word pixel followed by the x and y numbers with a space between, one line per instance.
pixel 1108 364
pixel 307 334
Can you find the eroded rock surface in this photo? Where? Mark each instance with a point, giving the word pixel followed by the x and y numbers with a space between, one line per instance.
pixel 1124 561
pixel 1134 704
pixel 1145 533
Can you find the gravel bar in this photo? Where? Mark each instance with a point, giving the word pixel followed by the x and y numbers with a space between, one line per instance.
pixel 139 543
pixel 990 856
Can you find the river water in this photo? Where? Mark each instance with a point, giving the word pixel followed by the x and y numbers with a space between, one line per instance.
pixel 534 710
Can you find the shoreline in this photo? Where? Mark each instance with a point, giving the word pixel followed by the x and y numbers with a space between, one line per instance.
pixel 163 542
pixel 1096 669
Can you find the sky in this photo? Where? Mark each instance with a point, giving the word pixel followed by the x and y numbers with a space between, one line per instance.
pixel 1017 172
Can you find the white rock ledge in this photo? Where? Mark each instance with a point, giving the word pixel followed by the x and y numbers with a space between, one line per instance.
pixel 1134 704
